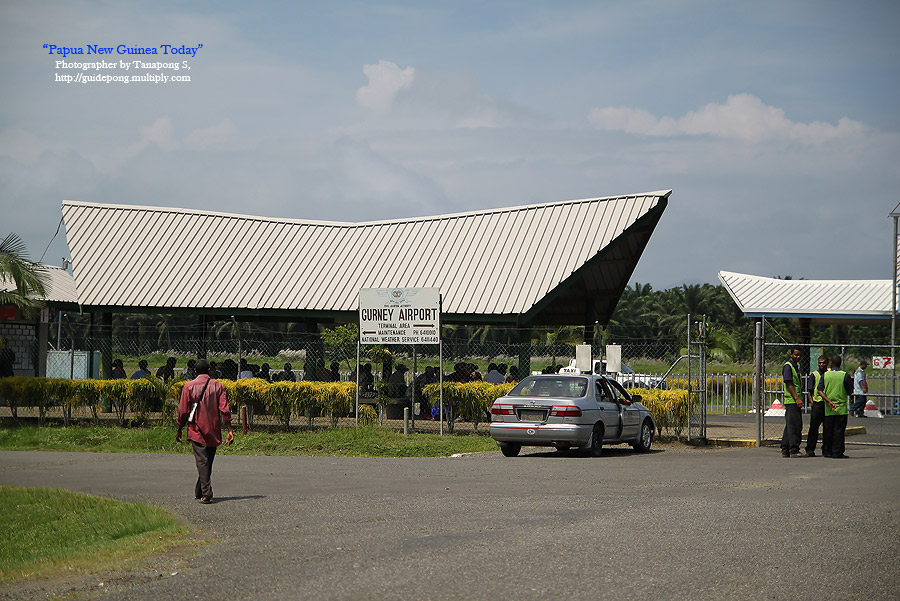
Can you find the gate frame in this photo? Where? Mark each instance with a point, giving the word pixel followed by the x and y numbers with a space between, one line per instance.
pixel 759 372
pixel 696 349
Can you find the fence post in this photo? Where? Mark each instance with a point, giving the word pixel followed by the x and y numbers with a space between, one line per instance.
pixel 726 395
pixel 759 387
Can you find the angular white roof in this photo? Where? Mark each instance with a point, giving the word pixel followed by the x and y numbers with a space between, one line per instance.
pixel 815 299
pixel 500 261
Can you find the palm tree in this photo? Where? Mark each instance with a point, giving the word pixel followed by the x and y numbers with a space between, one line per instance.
pixel 552 337
pixel 27 277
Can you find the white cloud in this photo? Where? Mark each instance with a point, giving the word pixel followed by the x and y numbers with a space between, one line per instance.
pixel 386 80
pixel 211 137
pixel 742 117
pixel 21 145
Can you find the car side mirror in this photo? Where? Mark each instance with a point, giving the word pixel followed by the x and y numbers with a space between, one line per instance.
pixel 636 398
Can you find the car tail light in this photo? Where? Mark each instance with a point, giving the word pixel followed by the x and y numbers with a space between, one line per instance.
pixel 502 410
pixel 565 411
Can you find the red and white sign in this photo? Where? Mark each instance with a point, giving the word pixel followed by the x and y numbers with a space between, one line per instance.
pixel 882 362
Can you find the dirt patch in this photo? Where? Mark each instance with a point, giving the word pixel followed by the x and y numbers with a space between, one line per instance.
pixel 76 587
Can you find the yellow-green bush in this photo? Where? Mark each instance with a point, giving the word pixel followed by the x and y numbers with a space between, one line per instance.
pixel 469 400
pixel 337 399
pixel 367 415
pixel 669 408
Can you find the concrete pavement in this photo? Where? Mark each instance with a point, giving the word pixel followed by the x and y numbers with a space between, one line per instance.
pixel 678 523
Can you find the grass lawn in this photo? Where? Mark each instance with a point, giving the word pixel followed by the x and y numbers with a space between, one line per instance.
pixel 49 532
pixel 357 442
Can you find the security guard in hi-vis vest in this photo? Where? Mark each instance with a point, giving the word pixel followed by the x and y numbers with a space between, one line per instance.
pixel 835 388
pixel 817 406
pixel 793 418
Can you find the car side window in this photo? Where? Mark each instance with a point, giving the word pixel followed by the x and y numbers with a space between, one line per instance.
pixel 614 393
pixel 603 392
pixel 619 393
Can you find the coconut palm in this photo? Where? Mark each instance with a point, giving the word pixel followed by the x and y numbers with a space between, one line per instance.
pixel 22 281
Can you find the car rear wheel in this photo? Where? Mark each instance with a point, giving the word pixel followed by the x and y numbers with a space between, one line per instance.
pixel 594 447
pixel 645 437
pixel 510 449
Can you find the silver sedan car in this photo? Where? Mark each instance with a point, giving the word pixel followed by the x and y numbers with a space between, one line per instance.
pixel 568 411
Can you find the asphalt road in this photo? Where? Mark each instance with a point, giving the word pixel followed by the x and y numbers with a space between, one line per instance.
pixel 678 523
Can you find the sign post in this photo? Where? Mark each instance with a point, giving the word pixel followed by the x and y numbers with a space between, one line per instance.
pixel 400 316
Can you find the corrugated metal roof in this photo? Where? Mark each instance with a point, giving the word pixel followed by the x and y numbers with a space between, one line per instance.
pixel 757 296
pixel 59 285
pixel 499 261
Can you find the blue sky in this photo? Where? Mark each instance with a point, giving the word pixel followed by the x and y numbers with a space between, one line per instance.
pixel 775 123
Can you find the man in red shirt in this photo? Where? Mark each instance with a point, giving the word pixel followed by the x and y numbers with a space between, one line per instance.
pixel 204 408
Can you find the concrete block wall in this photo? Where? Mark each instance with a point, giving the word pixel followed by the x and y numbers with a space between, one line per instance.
pixel 21 339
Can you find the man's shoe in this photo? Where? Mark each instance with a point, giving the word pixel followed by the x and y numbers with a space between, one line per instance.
pixel 841 456
pixel 810 453
pixel 785 455
pixel 795 455
pixel 206 500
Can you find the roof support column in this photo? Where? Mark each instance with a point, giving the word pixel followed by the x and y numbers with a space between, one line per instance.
pixel 805 339
pixel 315 353
pixel 106 346
pixel 524 352
pixel 201 334
pixel 43 333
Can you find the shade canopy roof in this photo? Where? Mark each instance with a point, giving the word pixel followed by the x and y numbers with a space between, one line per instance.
pixel 560 263
pixel 822 301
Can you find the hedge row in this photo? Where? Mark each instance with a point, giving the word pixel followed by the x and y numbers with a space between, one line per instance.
pixel 470 401
pixel 143 396
pixel 717 385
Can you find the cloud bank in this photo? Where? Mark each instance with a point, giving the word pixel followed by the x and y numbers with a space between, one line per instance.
pixel 742 117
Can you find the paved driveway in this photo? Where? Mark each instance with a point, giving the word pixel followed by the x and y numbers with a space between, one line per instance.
pixel 678 523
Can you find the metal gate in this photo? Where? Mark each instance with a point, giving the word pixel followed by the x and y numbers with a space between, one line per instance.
pixel 697 380
pixel 881 426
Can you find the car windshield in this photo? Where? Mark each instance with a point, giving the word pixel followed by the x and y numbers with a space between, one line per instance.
pixel 557 387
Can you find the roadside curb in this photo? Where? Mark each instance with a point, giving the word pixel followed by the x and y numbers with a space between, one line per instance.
pixel 747 442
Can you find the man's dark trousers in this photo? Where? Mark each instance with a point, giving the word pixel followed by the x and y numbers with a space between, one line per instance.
pixel 793 429
pixel 204 457
pixel 816 418
pixel 833 431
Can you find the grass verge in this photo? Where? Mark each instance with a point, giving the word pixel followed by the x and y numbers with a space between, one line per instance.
pixel 368 441
pixel 51 532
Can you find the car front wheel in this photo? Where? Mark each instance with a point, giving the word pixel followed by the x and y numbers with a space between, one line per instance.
pixel 510 449
pixel 594 447
pixel 645 438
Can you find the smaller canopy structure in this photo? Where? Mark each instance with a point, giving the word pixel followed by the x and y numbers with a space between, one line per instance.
pixel 820 301
pixel 59 287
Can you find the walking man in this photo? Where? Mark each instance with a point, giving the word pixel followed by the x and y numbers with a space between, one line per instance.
pixel 204 408
pixel 793 418
pixel 817 406
pixel 860 390
pixel 835 388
